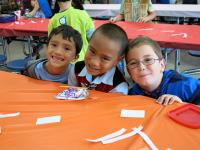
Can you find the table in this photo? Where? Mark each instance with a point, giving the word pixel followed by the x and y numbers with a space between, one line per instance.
pixel 94 117
pixel 25 27
pixel 167 35
pixel 162 33
pixel 172 10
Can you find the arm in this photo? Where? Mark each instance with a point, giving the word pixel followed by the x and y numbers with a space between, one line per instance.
pixel 119 17
pixel 151 13
pixel 72 77
pixel 148 18
pixel 35 9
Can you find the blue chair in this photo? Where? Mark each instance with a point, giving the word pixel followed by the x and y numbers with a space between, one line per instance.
pixel 3 59
pixel 196 70
pixel 17 65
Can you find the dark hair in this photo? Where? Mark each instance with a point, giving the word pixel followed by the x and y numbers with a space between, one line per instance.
pixel 114 32
pixel 67 33
pixel 78 4
pixel 144 40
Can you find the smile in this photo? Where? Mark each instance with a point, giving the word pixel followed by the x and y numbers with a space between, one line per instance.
pixel 56 58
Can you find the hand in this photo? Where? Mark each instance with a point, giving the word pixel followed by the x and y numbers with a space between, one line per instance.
pixel 117 18
pixel 168 99
pixel 143 19
pixel 35 9
pixel 113 19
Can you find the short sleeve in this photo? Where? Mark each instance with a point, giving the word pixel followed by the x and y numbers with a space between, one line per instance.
pixel 150 6
pixel 72 77
pixel 121 11
pixel 121 88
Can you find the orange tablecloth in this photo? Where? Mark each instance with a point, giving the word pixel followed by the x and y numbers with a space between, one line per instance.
pixel 94 117
pixel 162 33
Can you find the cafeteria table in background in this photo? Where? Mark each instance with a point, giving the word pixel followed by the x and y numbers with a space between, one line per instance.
pixel 171 10
pixel 94 117
pixel 23 30
pixel 174 36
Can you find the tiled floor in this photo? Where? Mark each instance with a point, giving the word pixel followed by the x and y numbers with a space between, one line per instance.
pixel 187 62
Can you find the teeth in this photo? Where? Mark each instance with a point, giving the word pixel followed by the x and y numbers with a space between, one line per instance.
pixel 58 58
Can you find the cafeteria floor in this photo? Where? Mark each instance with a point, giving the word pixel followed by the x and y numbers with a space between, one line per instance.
pixel 15 51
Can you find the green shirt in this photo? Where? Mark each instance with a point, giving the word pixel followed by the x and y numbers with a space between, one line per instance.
pixel 79 20
pixel 132 9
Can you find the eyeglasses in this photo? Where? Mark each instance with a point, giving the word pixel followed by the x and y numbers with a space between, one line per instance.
pixel 146 61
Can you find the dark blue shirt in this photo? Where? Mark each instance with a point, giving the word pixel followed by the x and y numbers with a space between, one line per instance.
pixel 185 87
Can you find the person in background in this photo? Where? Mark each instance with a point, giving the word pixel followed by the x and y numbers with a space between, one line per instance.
pixel 192 20
pixel 36 11
pixel 136 11
pixel 63 46
pixel 78 4
pixel 146 67
pixel 78 19
pixel 8 6
pixel 98 71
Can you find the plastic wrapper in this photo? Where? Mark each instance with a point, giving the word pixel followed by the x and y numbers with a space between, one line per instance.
pixel 73 93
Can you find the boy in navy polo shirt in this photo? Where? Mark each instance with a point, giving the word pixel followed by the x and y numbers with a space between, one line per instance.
pixel 146 67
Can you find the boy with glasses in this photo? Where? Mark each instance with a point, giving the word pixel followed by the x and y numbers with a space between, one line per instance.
pixel 146 67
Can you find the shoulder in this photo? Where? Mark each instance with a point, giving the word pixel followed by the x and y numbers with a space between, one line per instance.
pixel 175 77
pixel 82 13
pixel 136 90
pixel 184 86
pixel 30 67
pixel 118 77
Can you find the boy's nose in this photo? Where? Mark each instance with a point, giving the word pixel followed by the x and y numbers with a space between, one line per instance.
pixel 95 62
pixel 141 66
pixel 59 50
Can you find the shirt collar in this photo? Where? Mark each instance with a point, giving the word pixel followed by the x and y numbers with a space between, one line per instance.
pixel 106 78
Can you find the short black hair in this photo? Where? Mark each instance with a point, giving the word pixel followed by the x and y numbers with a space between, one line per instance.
pixel 67 33
pixel 114 32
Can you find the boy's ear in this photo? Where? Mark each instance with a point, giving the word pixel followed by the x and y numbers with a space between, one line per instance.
pixel 163 64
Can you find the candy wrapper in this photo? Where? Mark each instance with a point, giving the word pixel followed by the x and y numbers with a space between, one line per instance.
pixel 73 93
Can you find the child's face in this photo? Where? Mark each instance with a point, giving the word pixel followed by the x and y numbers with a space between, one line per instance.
pixel 148 76
pixel 60 52
pixel 102 55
